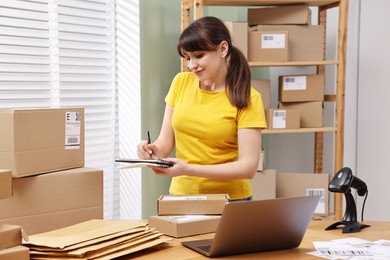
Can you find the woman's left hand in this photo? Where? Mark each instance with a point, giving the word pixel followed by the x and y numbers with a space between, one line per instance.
pixel 179 168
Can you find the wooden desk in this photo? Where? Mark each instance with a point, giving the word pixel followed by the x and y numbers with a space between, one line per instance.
pixel 315 232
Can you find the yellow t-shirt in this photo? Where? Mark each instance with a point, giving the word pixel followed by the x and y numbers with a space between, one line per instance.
pixel 205 126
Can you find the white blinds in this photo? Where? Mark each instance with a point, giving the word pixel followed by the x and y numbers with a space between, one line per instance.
pixel 62 53
pixel 24 54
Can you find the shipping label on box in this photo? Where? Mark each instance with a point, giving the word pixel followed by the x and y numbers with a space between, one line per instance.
pixel 283 118
pixel 273 40
pixel 301 88
pixel 72 130
pixel 268 46
pixel 5 184
pixel 184 225
pixel 192 204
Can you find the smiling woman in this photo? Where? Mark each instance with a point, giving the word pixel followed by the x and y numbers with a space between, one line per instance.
pixel 212 117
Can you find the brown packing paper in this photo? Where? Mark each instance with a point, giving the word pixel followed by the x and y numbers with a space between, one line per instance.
pixel 94 239
pixel 119 253
pixel 104 248
pixel 128 233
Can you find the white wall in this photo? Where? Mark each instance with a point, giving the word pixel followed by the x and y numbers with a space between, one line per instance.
pixel 373 139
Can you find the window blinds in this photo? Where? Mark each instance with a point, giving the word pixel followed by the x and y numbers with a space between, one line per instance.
pixel 62 53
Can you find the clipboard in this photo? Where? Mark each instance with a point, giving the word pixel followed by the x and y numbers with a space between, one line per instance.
pixel 134 163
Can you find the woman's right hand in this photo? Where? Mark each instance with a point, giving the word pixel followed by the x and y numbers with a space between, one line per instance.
pixel 147 151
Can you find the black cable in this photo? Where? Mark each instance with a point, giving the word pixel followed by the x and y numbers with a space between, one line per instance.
pixel 364 203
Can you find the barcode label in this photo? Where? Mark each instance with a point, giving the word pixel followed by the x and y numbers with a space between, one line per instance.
pixel 72 130
pixel 280 113
pixel 315 192
pixel 289 80
pixel 343 252
pixel 273 41
pixel 294 83
pixel 321 206
pixel 73 140
pixel 279 119
pixel 268 37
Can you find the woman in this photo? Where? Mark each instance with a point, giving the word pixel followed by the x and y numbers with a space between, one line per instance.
pixel 212 116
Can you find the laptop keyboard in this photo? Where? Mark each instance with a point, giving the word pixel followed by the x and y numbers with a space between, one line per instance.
pixel 205 248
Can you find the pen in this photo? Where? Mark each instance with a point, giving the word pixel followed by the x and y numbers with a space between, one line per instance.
pixel 149 142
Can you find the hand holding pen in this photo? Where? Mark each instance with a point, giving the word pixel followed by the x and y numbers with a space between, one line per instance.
pixel 149 142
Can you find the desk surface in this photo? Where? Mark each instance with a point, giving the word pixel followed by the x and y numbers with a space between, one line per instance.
pixel 315 232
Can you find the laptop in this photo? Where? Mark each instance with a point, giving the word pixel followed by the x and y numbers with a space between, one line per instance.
pixel 259 225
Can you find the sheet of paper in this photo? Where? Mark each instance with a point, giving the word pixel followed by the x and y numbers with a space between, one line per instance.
pixel 352 248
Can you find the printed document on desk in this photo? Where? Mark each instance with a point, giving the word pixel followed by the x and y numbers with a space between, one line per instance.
pixel 133 163
pixel 352 248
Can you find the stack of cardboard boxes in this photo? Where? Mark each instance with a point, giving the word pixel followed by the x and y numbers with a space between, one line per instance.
pixel 11 243
pixel 284 33
pixel 305 94
pixel 269 184
pixel 181 216
pixel 47 185
pixel 281 34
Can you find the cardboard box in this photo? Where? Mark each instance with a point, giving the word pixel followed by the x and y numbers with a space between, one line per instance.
pixel 239 34
pixel 34 141
pixel 306 42
pixel 260 166
pixel 5 184
pixel 208 204
pixel 264 185
pixel 283 118
pixel 263 86
pixel 184 225
pixel 268 45
pixel 17 253
pixel 294 14
pixel 39 223
pixel 10 236
pixel 298 88
pixel 304 184
pixel 54 199
pixel 311 112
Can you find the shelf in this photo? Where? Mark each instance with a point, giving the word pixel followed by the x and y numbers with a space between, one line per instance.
pixel 190 3
pixel 291 63
pixel 297 131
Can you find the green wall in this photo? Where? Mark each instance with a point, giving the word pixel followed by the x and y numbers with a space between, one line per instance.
pixel 160 29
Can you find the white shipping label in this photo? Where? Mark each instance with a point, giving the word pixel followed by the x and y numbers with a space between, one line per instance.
pixel 186 218
pixel 294 83
pixel 72 130
pixel 273 41
pixel 184 198
pixel 320 209
pixel 279 119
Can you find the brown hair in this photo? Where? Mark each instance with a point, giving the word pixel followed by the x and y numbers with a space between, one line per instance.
pixel 205 34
